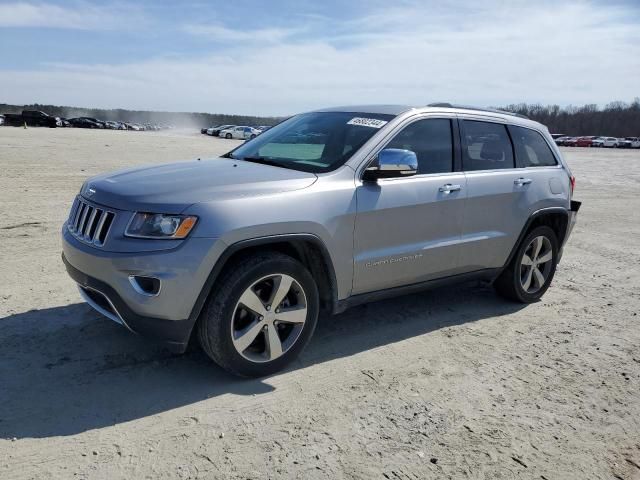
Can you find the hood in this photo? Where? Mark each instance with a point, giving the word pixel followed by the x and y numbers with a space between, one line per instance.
pixel 170 188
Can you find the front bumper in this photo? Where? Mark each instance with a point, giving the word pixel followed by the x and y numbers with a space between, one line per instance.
pixel 104 282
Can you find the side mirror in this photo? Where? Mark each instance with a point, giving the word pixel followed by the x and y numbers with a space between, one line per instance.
pixel 392 163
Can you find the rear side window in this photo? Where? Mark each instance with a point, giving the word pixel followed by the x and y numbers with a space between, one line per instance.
pixel 431 141
pixel 487 146
pixel 531 148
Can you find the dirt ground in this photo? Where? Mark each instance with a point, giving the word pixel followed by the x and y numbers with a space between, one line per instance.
pixel 453 383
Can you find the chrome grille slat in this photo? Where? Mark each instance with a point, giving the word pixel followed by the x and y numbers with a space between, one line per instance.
pixel 83 220
pixel 92 218
pixel 81 207
pixel 96 235
pixel 90 224
pixel 102 235
pixel 73 213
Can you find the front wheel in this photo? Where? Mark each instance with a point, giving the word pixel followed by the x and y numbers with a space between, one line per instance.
pixel 260 315
pixel 227 136
pixel 531 270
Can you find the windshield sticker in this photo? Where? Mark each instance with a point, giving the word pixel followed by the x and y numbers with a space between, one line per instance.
pixel 367 122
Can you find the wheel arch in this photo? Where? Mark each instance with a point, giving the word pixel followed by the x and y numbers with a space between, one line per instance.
pixel 307 248
pixel 557 218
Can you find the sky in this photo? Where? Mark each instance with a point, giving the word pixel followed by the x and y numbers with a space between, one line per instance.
pixel 279 57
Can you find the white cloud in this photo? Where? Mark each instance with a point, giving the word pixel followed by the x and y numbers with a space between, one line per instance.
pixel 488 55
pixel 223 34
pixel 80 17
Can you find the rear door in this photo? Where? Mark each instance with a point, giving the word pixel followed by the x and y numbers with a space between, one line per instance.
pixel 496 208
pixel 408 229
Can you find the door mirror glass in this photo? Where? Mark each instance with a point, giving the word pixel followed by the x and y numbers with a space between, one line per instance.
pixel 393 163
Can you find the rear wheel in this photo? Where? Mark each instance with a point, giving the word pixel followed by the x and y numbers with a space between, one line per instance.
pixel 531 270
pixel 260 315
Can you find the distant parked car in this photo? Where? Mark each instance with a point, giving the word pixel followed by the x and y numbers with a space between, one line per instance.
pixel 585 141
pixel 627 142
pixel 100 123
pixel 609 142
pixel 624 143
pixel 39 119
pixel 241 133
pixel 630 142
pixel 13 119
pixel 31 118
pixel 215 131
pixel 82 122
pixel 570 142
pixel 560 140
pixel 203 130
pixel 567 140
pixel 556 136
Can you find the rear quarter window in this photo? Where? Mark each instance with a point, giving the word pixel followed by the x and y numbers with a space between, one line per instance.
pixel 531 148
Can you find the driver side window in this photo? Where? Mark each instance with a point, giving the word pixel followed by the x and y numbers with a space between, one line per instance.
pixel 432 142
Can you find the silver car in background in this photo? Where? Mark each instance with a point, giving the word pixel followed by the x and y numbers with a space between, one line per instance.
pixel 239 133
pixel 327 210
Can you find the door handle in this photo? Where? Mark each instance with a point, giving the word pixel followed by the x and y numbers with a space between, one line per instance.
pixel 522 181
pixel 448 188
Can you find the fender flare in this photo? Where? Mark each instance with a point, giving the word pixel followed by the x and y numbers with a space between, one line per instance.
pixel 535 215
pixel 259 241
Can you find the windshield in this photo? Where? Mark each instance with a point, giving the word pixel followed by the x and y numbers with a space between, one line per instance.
pixel 314 142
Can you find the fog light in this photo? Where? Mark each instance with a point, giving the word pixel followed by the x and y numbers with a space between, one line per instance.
pixel 145 285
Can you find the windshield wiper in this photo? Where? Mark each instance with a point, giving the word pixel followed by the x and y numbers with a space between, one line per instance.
pixel 263 161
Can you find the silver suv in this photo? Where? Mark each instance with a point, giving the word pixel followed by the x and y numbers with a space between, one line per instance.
pixel 327 210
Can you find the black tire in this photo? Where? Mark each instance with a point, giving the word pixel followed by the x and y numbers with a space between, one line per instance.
pixel 215 322
pixel 508 284
pixel 253 135
pixel 228 136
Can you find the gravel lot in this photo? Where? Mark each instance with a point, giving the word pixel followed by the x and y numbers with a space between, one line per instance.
pixel 454 383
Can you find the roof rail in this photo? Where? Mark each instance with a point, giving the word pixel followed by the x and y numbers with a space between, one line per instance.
pixel 467 107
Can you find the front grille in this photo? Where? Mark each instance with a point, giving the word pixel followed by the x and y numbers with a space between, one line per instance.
pixel 90 223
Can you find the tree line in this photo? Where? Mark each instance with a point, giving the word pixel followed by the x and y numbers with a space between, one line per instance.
pixel 616 119
pixel 177 119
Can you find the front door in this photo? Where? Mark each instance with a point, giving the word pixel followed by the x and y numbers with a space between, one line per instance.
pixel 408 230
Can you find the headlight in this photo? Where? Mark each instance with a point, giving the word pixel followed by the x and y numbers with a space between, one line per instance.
pixel 158 225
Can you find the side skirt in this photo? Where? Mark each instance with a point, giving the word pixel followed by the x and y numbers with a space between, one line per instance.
pixel 489 274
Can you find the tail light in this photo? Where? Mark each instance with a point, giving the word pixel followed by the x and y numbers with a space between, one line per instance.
pixel 572 179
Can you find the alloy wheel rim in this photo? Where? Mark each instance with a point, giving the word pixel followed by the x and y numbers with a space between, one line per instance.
pixel 268 318
pixel 535 265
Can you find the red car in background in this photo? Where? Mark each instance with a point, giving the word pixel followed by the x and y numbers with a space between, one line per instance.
pixel 584 141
